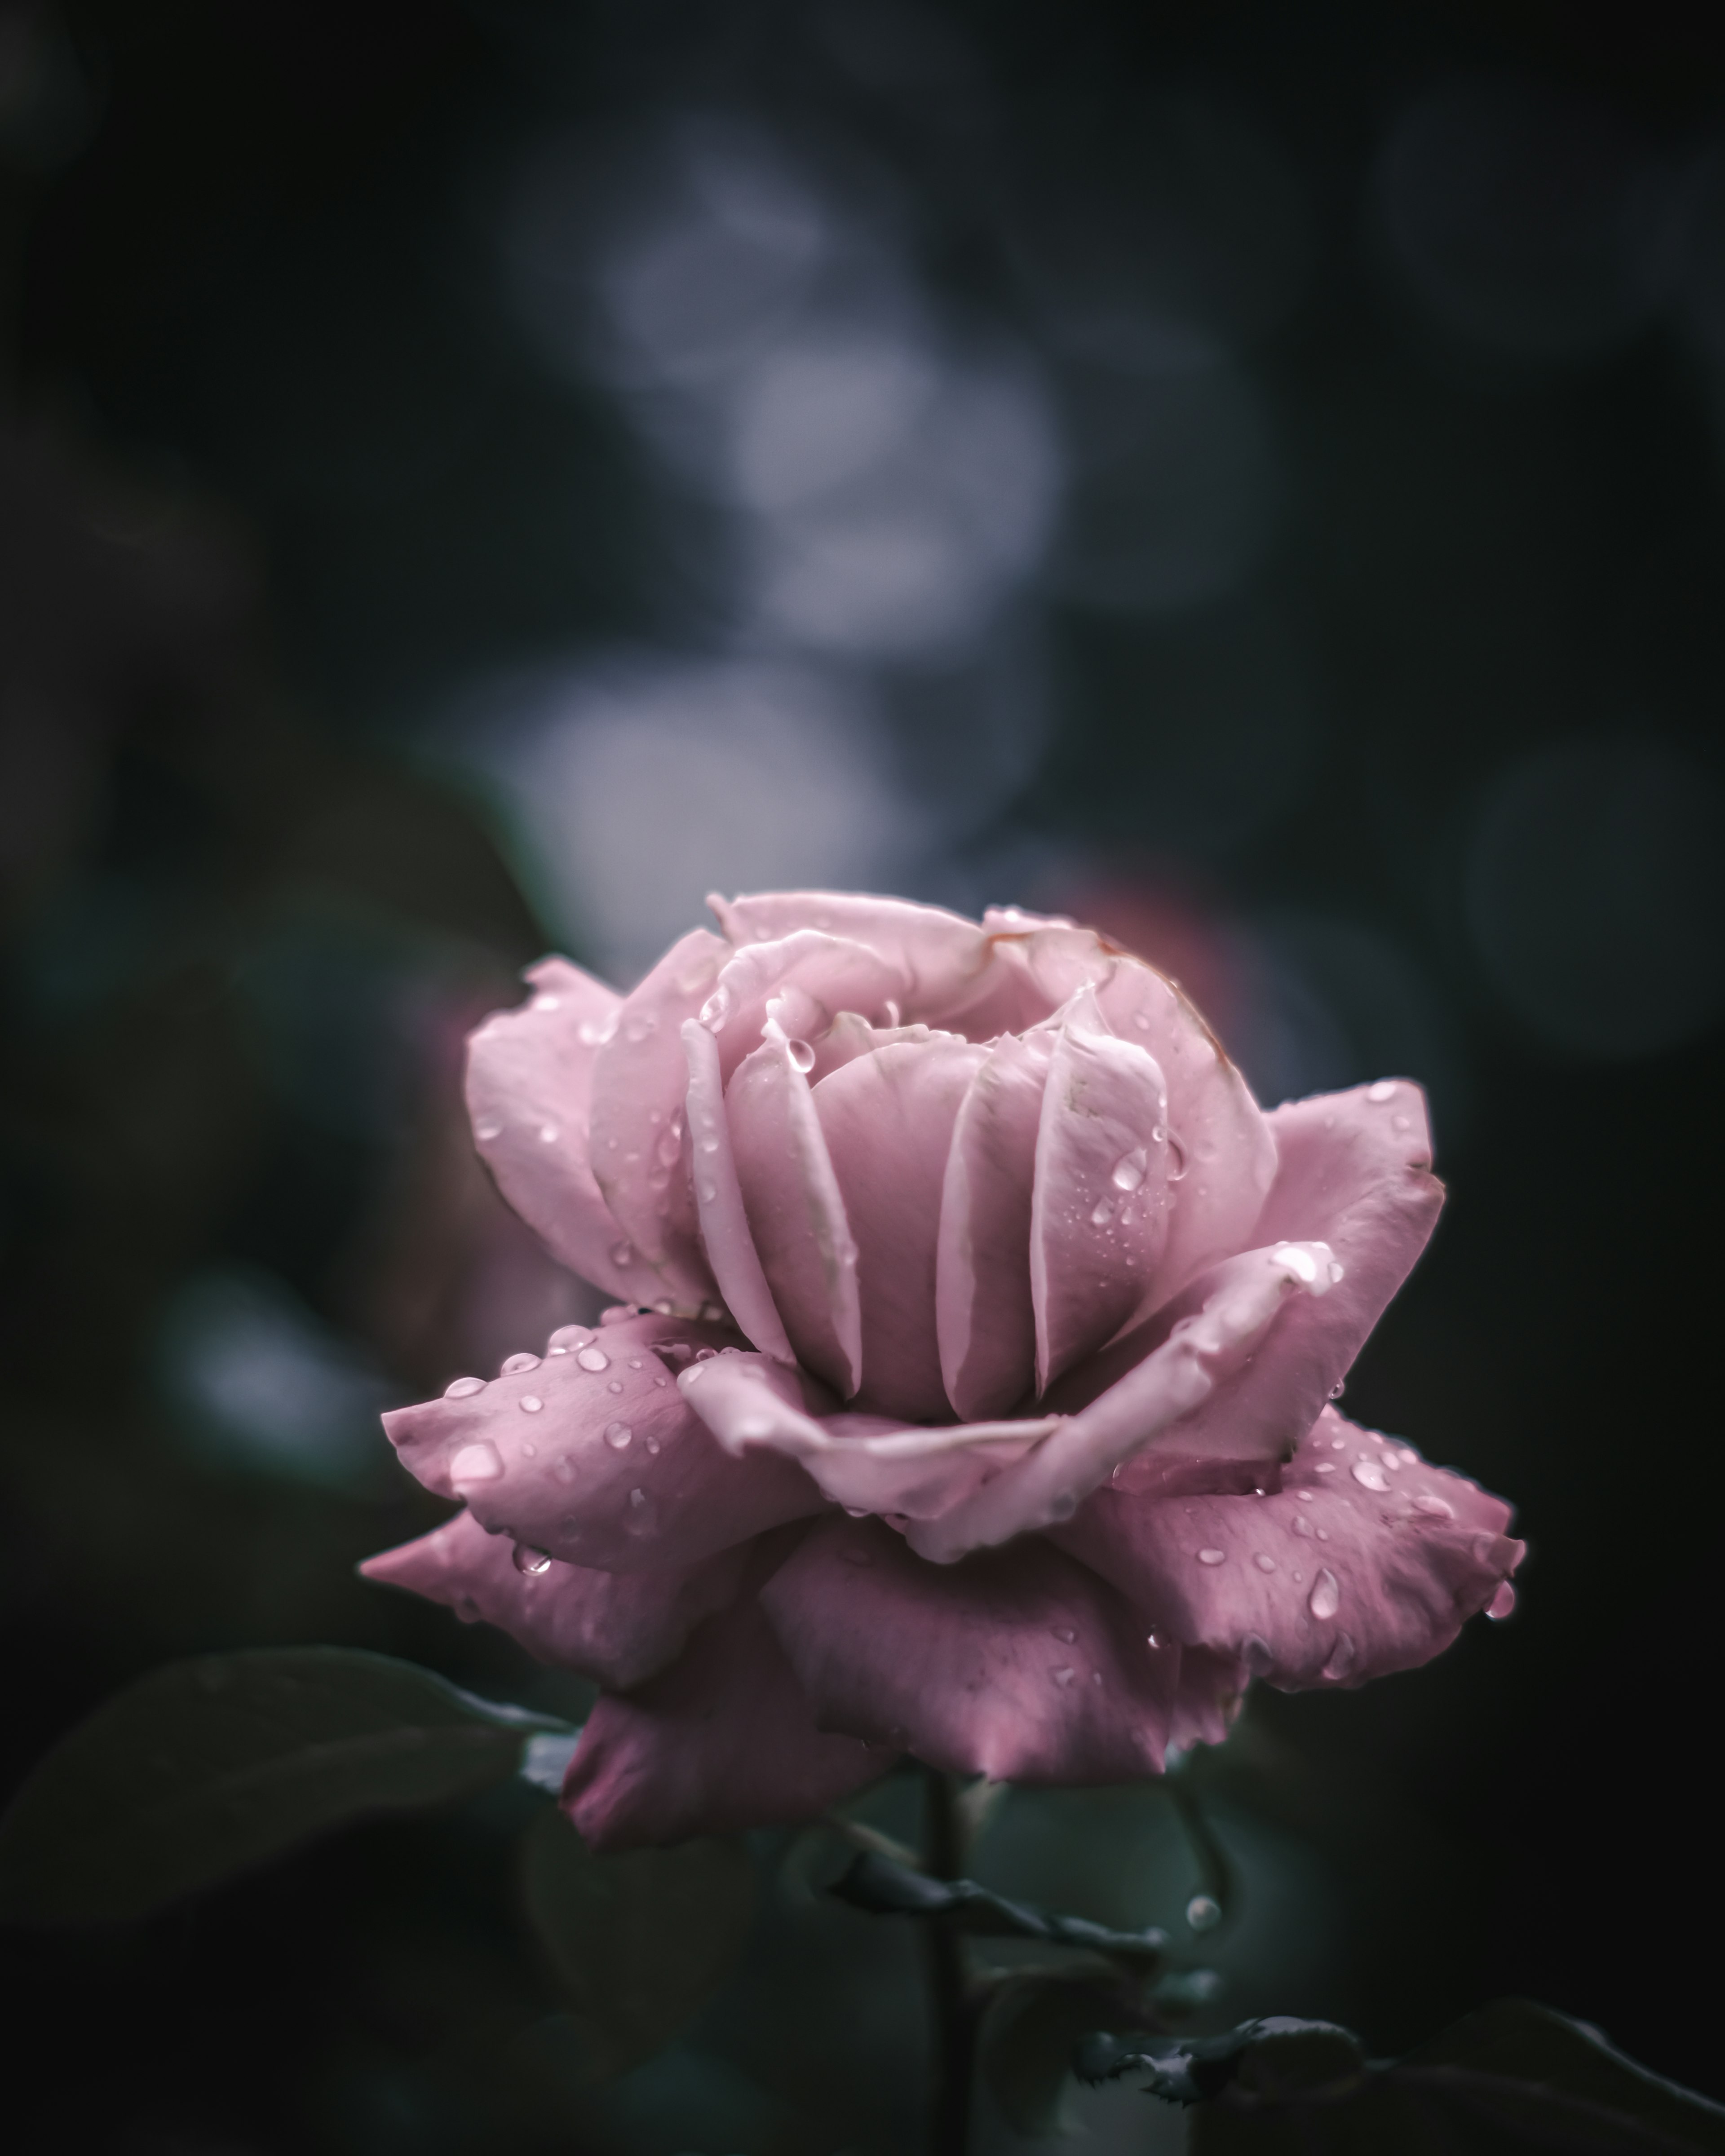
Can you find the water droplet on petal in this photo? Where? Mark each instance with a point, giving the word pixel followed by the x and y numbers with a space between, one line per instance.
pixel 1339 1389
pixel 595 1032
pixel 1154 1640
pixel 1440 1508
pixel 476 1463
pixel 641 1516
pixel 1299 1524
pixel 1204 1912
pixel 1304 1497
pixel 615 1385
pixel 1102 1215
pixel 518 1363
pixel 1385 1089
pixel 530 1404
pixel 1065 1632
pixel 1325 1467
pixel 531 1560
pixel 669 1147
pixel 1255 1652
pixel 1264 1562
pixel 1369 1475
pixel 1337 1269
pixel 716 1010
pixel 1176 1158
pixel 485 1130
pixel 1063 1678
pixel 1502 1603
pixel 1130 1169
pixel 1341 1660
pixel 1325 1598
pixel 622 1254
pixel 801 1056
pixel 1300 1263
pixel 1212 1556
pixel 463 1388
pixel 593 1359
pixel 618 1435
pixel 548 1134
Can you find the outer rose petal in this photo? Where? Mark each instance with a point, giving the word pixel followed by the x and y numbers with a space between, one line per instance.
pixel 619 1627
pixel 724 1739
pixel 887 1119
pixel 1366 1560
pixel 1096 1234
pixel 1355 1171
pixel 718 1195
pixel 985 1315
pixel 549 1477
pixel 638 1087
pixel 1017 1665
pixel 1212 1691
pixel 796 1215
pixel 529 1074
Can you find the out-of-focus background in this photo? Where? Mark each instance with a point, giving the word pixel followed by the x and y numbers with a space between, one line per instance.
pixel 476 474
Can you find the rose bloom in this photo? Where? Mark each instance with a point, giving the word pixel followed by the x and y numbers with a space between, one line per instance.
pixel 969 1393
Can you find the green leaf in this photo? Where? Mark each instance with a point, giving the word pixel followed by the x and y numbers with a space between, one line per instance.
pixel 641 1941
pixel 205 1768
pixel 1028 2037
pixel 884 1888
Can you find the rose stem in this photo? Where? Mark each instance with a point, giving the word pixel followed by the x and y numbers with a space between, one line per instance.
pixel 955 2010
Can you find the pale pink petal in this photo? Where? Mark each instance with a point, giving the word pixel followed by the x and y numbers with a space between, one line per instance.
pixel 887 1119
pixel 637 1126
pixel 1366 1560
pixel 718 1195
pixel 1218 1326
pixel 723 1740
pixel 1355 1173
pixel 984 1318
pixel 870 1463
pixel 802 983
pixel 1211 1693
pixel 1098 1209
pixel 938 955
pixel 1222 1152
pixel 1017 1665
pixel 796 1215
pixel 610 1469
pixel 617 1627
pixel 529 1076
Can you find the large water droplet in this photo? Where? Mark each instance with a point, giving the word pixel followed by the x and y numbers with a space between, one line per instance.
pixel 534 1561
pixel 1369 1475
pixel 618 1435
pixel 1341 1660
pixel 1131 1169
pixel 1212 1556
pixel 463 1388
pixel 593 1359
pixel 1438 1509
pixel 476 1463
pixel 1502 1603
pixel 1204 1912
pixel 1264 1562
pixel 530 1404
pixel 801 1056
pixel 1325 1598
pixel 517 1364
pixel 1102 1214
pixel 716 1010
pixel 1299 1524
pixel 1063 1677
pixel 1300 1263
pixel 1384 1090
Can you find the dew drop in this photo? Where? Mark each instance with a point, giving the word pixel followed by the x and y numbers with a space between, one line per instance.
pixel 642 1516
pixel 1300 1524
pixel 708 1193
pixel 622 1254
pixel 1176 1158
pixel 1065 1632
pixel 476 1463
pixel 801 1056
pixel 564 1469
pixel 1337 1443
pixel 1341 1660
pixel 517 1364
pixel 618 1435
pixel 534 1561
pixel 1402 1123
pixel 1212 1556
pixel 1338 1272
pixel 1385 1089
pixel 716 1010
pixel 593 1359
pixel 1369 1475
pixel 1502 1603
pixel 1300 1263
pixel 1304 1495
pixel 653 1442
pixel 594 1033
pixel 463 1388
pixel 1204 1912
pixel 615 1385
pixel 1154 1640
pixel 530 1404
pixel 1255 1653
pixel 547 1003
pixel 1325 1598
pixel 485 1130
pixel 706 1354
pixel 1325 1467
pixel 1063 1678
pixel 669 1147
pixel 548 1134
pixel 1339 1389
pixel 1130 1169
pixel 1103 1213
pixel 1264 1562
pixel 1438 1509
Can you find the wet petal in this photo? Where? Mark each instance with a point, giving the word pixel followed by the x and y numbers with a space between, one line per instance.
pixel 801 982
pixel 887 1119
pixel 985 1320
pixel 1017 1665
pixel 796 1214
pixel 529 1077
pixel 938 957
pixel 1212 1330
pixel 610 1469
pixel 638 1083
pixel 723 1740
pixel 718 1195
pixel 1098 1210
pixel 617 1627
pixel 871 1463
pixel 1366 1560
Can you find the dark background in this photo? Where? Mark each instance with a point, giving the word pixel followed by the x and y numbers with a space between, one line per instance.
pixel 396 580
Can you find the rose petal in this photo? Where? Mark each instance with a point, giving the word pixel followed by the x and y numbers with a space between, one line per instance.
pixel 1019 1665
pixel 718 1195
pixel 619 1627
pixel 939 956
pixel 638 1087
pixel 1224 1147
pixel 529 1076
pixel 796 1214
pixel 1355 1173
pixel 1098 1212
pixel 887 1119
pixel 1220 1323
pixel 657 1490
pixel 802 982
pixel 1212 1691
pixel 1340 1577
pixel 871 1463
pixel 723 1740
pixel 985 1320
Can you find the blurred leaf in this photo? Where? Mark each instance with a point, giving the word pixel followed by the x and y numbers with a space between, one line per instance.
pixel 204 1767
pixel 641 1941
pixel 885 1888
pixel 1029 2034
pixel 1513 2077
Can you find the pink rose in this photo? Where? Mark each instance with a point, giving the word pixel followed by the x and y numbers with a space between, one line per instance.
pixel 969 1396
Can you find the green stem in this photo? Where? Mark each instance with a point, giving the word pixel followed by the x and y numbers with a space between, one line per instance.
pixel 957 2014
